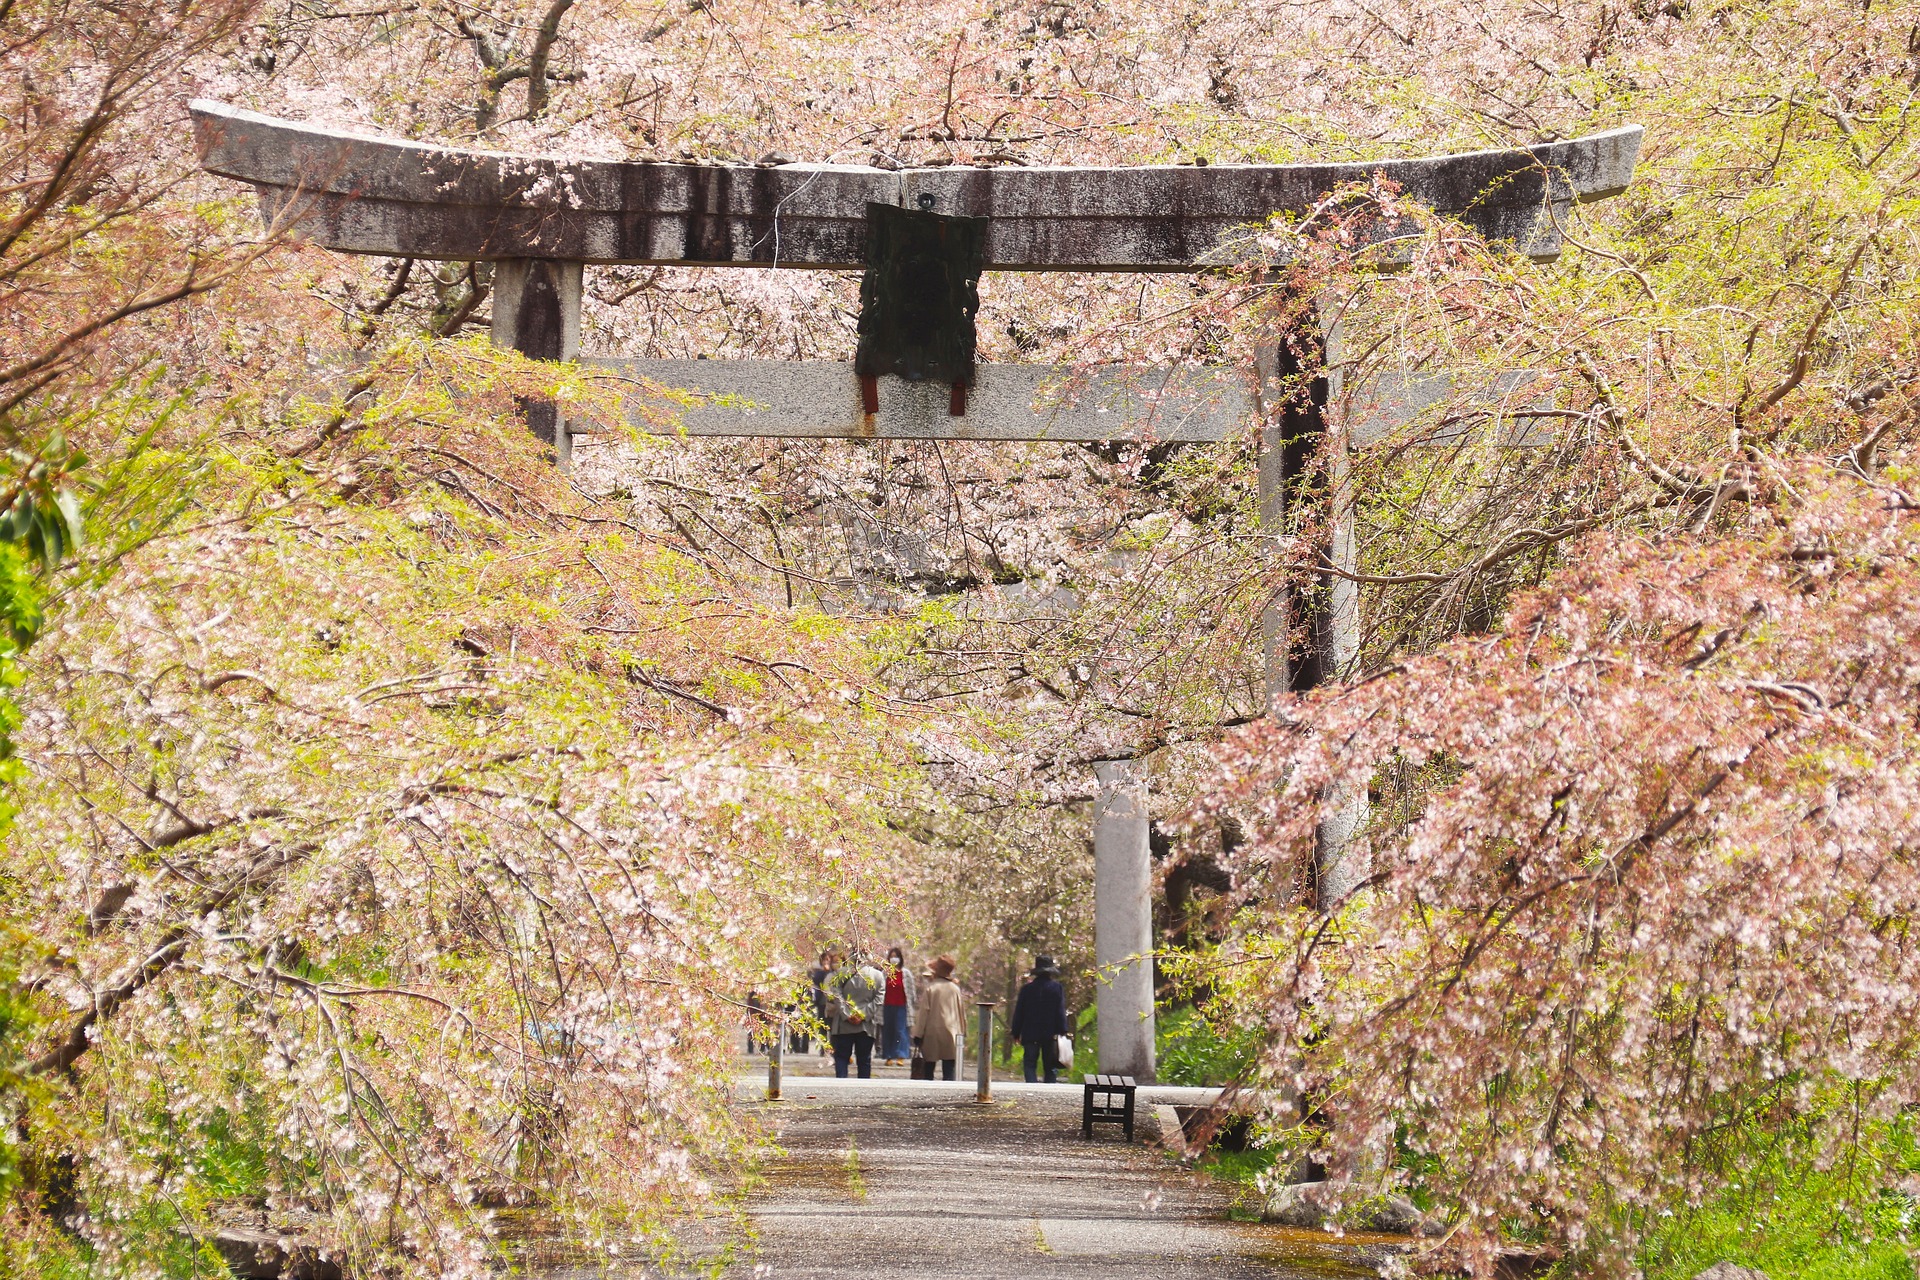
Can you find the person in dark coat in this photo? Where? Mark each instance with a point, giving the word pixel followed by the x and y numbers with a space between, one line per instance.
pixel 829 963
pixel 1039 1015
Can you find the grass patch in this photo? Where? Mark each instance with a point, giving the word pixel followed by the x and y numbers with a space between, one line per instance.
pixel 1191 1049
pixel 1798 1236
pixel 1240 1167
pixel 856 1185
pixel 1795 1221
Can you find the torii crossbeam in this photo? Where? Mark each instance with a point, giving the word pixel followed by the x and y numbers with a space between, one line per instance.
pixel 384 196
pixel 541 219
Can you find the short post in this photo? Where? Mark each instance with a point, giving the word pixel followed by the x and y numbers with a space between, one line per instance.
pixel 983 1088
pixel 774 1055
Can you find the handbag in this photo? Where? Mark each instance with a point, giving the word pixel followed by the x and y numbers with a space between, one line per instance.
pixel 1063 1051
pixel 922 1068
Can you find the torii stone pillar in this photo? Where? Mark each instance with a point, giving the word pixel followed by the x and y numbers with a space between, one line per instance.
pixel 540 218
pixel 536 311
pixel 1312 635
pixel 1123 921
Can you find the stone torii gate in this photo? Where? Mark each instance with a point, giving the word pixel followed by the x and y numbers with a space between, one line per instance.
pixel 540 220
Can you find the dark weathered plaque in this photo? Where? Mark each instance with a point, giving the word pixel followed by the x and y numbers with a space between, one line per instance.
pixel 919 295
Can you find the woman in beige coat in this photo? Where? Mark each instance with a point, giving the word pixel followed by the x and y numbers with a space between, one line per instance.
pixel 936 1021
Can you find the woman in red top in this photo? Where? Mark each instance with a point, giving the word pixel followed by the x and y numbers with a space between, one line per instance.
pixel 896 1028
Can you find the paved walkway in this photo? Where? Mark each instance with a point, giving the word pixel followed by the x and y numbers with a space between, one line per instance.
pixel 890 1178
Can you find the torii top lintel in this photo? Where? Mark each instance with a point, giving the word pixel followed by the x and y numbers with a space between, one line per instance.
pixel 365 194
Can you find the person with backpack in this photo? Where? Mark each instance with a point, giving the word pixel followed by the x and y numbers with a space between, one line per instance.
pixel 854 992
pixel 1039 1017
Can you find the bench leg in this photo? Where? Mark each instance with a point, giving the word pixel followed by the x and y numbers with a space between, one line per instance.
pixel 1086 1116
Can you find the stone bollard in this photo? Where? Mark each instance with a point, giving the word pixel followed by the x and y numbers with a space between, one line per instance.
pixel 774 1054
pixel 983 1088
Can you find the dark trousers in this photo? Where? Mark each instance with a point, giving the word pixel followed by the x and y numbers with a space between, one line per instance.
pixel 1032 1056
pixel 851 1044
pixel 946 1069
pixel 796 1038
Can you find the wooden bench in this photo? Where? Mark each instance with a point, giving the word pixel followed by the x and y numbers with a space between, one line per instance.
pixel 1106 1110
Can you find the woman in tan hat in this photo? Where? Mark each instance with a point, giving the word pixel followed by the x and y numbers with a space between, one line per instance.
pixel 937 1021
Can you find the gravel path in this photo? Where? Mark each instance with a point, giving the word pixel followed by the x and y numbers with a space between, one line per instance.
pixel 923 1182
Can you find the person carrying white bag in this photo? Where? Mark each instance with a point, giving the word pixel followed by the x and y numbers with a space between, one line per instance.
pixel 1040 1021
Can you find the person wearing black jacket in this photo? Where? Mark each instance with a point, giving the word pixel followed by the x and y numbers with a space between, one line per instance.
pixel 1039 1015
pixel 818 975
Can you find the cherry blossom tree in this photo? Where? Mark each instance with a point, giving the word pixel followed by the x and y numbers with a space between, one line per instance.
pixel 1642 877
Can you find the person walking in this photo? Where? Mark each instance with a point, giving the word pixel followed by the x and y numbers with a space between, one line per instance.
pixel 798 1041
pixel 938 1018
pixel 853 994
pixel 756 1023
pixel 824 969
pixel 896 1010
pixel 1040 1015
